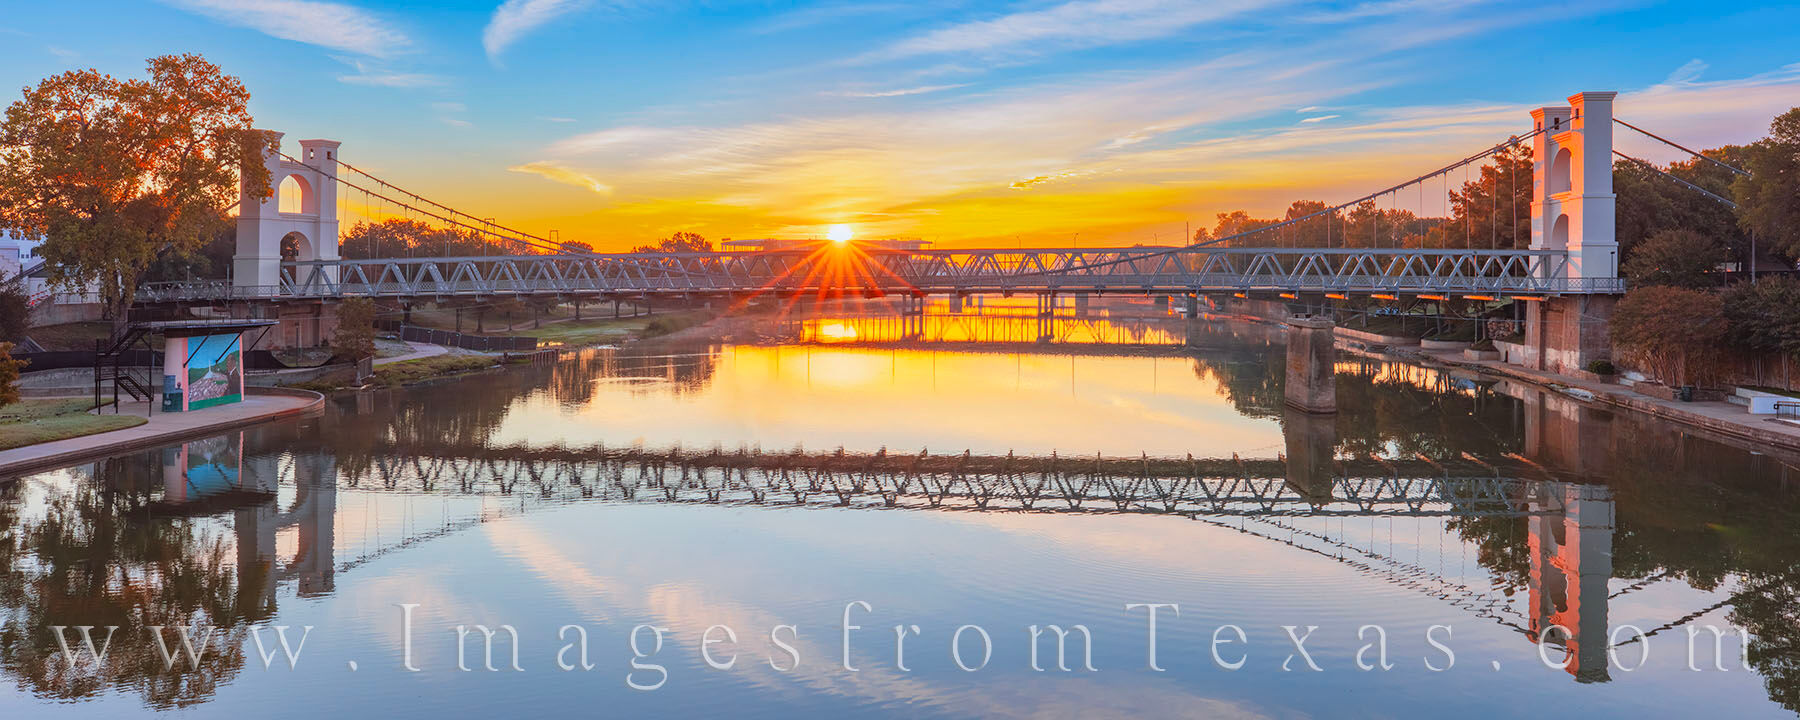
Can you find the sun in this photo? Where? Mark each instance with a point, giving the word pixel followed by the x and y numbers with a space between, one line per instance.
pixel 840 234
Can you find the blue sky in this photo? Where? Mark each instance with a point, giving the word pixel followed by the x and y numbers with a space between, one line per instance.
pixel 960 122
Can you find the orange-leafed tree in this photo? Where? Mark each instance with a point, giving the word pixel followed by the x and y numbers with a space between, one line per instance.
pixel 114 172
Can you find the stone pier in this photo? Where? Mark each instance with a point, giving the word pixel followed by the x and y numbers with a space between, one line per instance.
pixel 1311 355
pixel 1311 449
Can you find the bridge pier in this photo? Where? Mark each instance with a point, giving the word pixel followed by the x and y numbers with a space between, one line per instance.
pixel 1082 301
pixel 1311 449
pixel 956 303
pixel 1566 333
pixel 1571 561
pixel 1311 357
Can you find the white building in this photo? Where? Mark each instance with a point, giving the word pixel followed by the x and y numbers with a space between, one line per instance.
pixel 18 254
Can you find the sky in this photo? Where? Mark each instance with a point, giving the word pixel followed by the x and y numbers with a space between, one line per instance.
pixel 1042 122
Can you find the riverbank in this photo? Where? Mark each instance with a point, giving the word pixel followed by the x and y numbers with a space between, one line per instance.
pixel 1717 418
pixel 1711 416
pixel 259 405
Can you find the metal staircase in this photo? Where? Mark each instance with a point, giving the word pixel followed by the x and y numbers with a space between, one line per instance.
pixel 112 370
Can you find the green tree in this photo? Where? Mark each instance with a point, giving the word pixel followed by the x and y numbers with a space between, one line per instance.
pixel 1491 210
pixel 1679 258
pixel 112 172
pixel 9 374
pixel 355 336
pixel 1769 199
pixel 1765 315
pixel 1672 332
pixel 1649 202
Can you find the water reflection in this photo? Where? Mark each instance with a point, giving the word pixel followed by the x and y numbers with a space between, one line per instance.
pixel 1441 496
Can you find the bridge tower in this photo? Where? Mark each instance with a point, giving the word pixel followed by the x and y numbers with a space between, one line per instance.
pixel 303 209
pixel 1572 200
pixel 1573 211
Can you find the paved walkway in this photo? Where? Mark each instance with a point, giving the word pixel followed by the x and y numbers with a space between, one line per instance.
pixel 419 350
pixel 1718 416
pixel 161 429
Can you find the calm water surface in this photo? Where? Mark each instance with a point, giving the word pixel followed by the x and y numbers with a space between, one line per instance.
pixel 947 471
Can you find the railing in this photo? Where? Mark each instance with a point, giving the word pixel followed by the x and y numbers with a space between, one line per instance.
pixel 1787 410
pixel 1172 270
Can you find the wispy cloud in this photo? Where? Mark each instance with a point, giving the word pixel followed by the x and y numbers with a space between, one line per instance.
pixel 1687 73
pixel 515 19
pixel 558 173
pixel 1321 118
pixel 921 90
pixel 325 24
pixel 1080 23
pixel 392 79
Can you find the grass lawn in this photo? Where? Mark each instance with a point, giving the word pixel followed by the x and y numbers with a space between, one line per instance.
pixel 29 422
pixel 411 371
pixel 588 331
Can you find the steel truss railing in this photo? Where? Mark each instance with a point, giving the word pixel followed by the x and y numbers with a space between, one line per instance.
pixel 1203 269
pixel 1210 487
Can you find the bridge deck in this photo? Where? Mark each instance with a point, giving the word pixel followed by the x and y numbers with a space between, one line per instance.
pixel 853 269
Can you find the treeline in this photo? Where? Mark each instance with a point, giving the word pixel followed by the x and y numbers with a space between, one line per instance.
pixel 1493 210
pixel 1682 321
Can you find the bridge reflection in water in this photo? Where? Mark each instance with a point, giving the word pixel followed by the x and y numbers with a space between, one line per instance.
pixel 305 506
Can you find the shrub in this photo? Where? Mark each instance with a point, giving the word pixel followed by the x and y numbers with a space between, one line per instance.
pixel 1765 315
pixel 15 311
pixel 9 375
pixel 1672 332
pixel 1678 258
pixel 1602 367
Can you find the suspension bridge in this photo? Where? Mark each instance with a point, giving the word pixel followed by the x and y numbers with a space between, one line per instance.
pixel 1563 268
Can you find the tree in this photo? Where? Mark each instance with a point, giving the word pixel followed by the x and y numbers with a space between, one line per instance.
pixel 1765 315
pixel 1649 203
pixel 1678 258
pixel 1492 210
pixel 355 336
pixel 1671 332
pixel 15 311
pixel 112 173
pixel 396 237
pixel 9 374
pixel 679 242
pixel 1769 199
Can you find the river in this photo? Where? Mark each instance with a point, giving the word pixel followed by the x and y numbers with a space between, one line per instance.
pixel 740 527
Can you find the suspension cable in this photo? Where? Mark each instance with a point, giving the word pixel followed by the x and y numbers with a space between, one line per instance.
pixel 1443 171
pixel 552 248
pixel 1677 146
pixel 1691 186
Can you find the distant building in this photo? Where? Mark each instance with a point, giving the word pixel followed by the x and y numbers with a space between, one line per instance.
pixel 16 254
pixel 784 244
pixel 19 254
